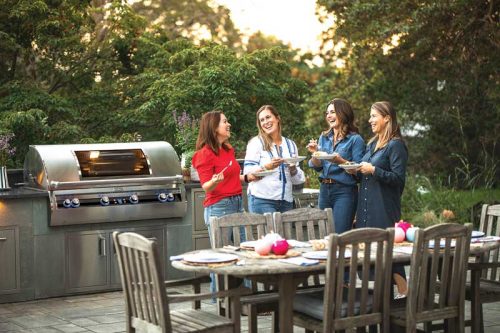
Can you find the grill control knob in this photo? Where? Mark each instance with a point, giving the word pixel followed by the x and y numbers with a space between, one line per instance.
pixel 67 203
pixel 75 202
pixel 162 197
pixel 170 197
pixel 134 199
pixel 104 201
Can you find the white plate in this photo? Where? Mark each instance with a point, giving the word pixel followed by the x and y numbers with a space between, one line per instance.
pixel 290 160
pixel 476 234
pixel 325 156
pixel 264 173
pixel 322 255
pixel 209 257
pixel 248 244
pixel 350 166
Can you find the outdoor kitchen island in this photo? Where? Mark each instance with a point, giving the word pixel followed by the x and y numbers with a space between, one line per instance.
pixel 38 260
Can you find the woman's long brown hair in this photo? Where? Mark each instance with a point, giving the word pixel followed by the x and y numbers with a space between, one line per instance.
pixel 345 115
pixel 392 129
pixel 208 132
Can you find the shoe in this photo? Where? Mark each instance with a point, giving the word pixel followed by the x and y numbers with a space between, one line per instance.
pixel 399 296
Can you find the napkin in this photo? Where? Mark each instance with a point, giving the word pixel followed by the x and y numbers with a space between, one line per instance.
pixel 485 239
pixel 300 261
pixel 296 243
pixel 176 258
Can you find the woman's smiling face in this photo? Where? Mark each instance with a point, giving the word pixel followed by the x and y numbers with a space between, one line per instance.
pixel 377 121
pixel 268 122
pixel 224 129
pixel 331 117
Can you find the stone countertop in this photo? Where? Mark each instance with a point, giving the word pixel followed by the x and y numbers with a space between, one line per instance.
pixel 22 192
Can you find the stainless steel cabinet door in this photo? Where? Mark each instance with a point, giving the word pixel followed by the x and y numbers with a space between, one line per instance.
pixel 9 260
pixel 86 260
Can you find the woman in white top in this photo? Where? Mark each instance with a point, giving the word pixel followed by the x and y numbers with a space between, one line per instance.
pixel 265 152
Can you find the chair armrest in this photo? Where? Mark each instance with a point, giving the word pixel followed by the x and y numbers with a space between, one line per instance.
pixel 236 292
pixel 477 266
pixel 188 281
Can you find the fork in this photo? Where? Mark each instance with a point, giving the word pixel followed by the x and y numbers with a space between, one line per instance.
pixel 230 163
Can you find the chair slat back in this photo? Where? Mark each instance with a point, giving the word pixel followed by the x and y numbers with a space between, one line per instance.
pixel 304 224
pixel 490 225
pixel 438 270
pixel 226 229
pixel 140 269
pixel 366 254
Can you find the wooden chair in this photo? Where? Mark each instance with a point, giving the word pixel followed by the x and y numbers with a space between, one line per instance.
pixel 355 305
pixel 436 286
pixel 304 224
pixel 226 231
pixel 147 302
pixel 484 286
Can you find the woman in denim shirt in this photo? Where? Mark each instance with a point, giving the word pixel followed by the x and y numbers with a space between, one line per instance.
pixel 338 189
pixel 383 172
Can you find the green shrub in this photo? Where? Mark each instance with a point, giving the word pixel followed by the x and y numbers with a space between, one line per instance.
pixel 424 201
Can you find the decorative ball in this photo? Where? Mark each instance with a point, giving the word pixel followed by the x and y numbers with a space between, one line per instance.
pixel 272 237
pixel 280 247
pixel 403 225
pixel 263 247
pixel 399 235
pixel 410 234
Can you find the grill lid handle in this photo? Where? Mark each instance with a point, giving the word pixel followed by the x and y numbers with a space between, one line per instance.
pixel 56 185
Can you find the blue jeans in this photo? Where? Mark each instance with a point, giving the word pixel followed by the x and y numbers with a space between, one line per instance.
pixel 261 206
pixel 229 205
pixel 342 199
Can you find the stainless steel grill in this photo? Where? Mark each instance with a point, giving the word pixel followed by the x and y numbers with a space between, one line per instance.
pixel 95 183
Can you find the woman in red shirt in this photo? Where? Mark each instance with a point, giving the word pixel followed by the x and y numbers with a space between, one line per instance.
pixel 218 170
pixel 217 167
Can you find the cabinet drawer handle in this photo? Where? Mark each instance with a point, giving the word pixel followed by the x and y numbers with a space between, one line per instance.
pixel 3 238
pixel 102 246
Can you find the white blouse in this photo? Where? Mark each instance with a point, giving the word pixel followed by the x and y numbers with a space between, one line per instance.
pixel 277 186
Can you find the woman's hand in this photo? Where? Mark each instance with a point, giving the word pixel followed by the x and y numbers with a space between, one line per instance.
pixel 275 162
pixel 366 168
pixel 217 178
pixel 312 146
pixel 252 177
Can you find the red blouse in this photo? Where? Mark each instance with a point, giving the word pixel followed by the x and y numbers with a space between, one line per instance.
pixel 207 163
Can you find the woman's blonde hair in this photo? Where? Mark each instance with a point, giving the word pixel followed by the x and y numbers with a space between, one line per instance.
pixel 266 138
pixel 392 130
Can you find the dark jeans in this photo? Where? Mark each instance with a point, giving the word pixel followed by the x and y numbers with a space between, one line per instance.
pixel 342 199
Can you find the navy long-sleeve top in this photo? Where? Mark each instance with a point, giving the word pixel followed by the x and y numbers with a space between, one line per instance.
pixel 379 201
pixel 350 148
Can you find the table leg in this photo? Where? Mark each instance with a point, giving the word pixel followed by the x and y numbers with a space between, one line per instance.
pixel 475 302
pixel 286 287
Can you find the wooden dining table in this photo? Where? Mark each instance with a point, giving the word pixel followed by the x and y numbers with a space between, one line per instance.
pixel 287 276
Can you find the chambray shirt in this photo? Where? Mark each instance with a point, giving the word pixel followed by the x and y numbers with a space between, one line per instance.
pixel 350 148
pixel 379 201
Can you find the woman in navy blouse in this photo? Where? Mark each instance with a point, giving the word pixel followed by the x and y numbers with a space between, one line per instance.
pixel 338 189
pixel 383 172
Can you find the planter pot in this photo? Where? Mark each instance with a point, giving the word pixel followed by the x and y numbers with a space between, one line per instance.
pixel 186 175
pixel 194 175
pixel 4 180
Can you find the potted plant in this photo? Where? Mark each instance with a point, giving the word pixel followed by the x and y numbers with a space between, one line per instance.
pixel 185 136
pixel 6 152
